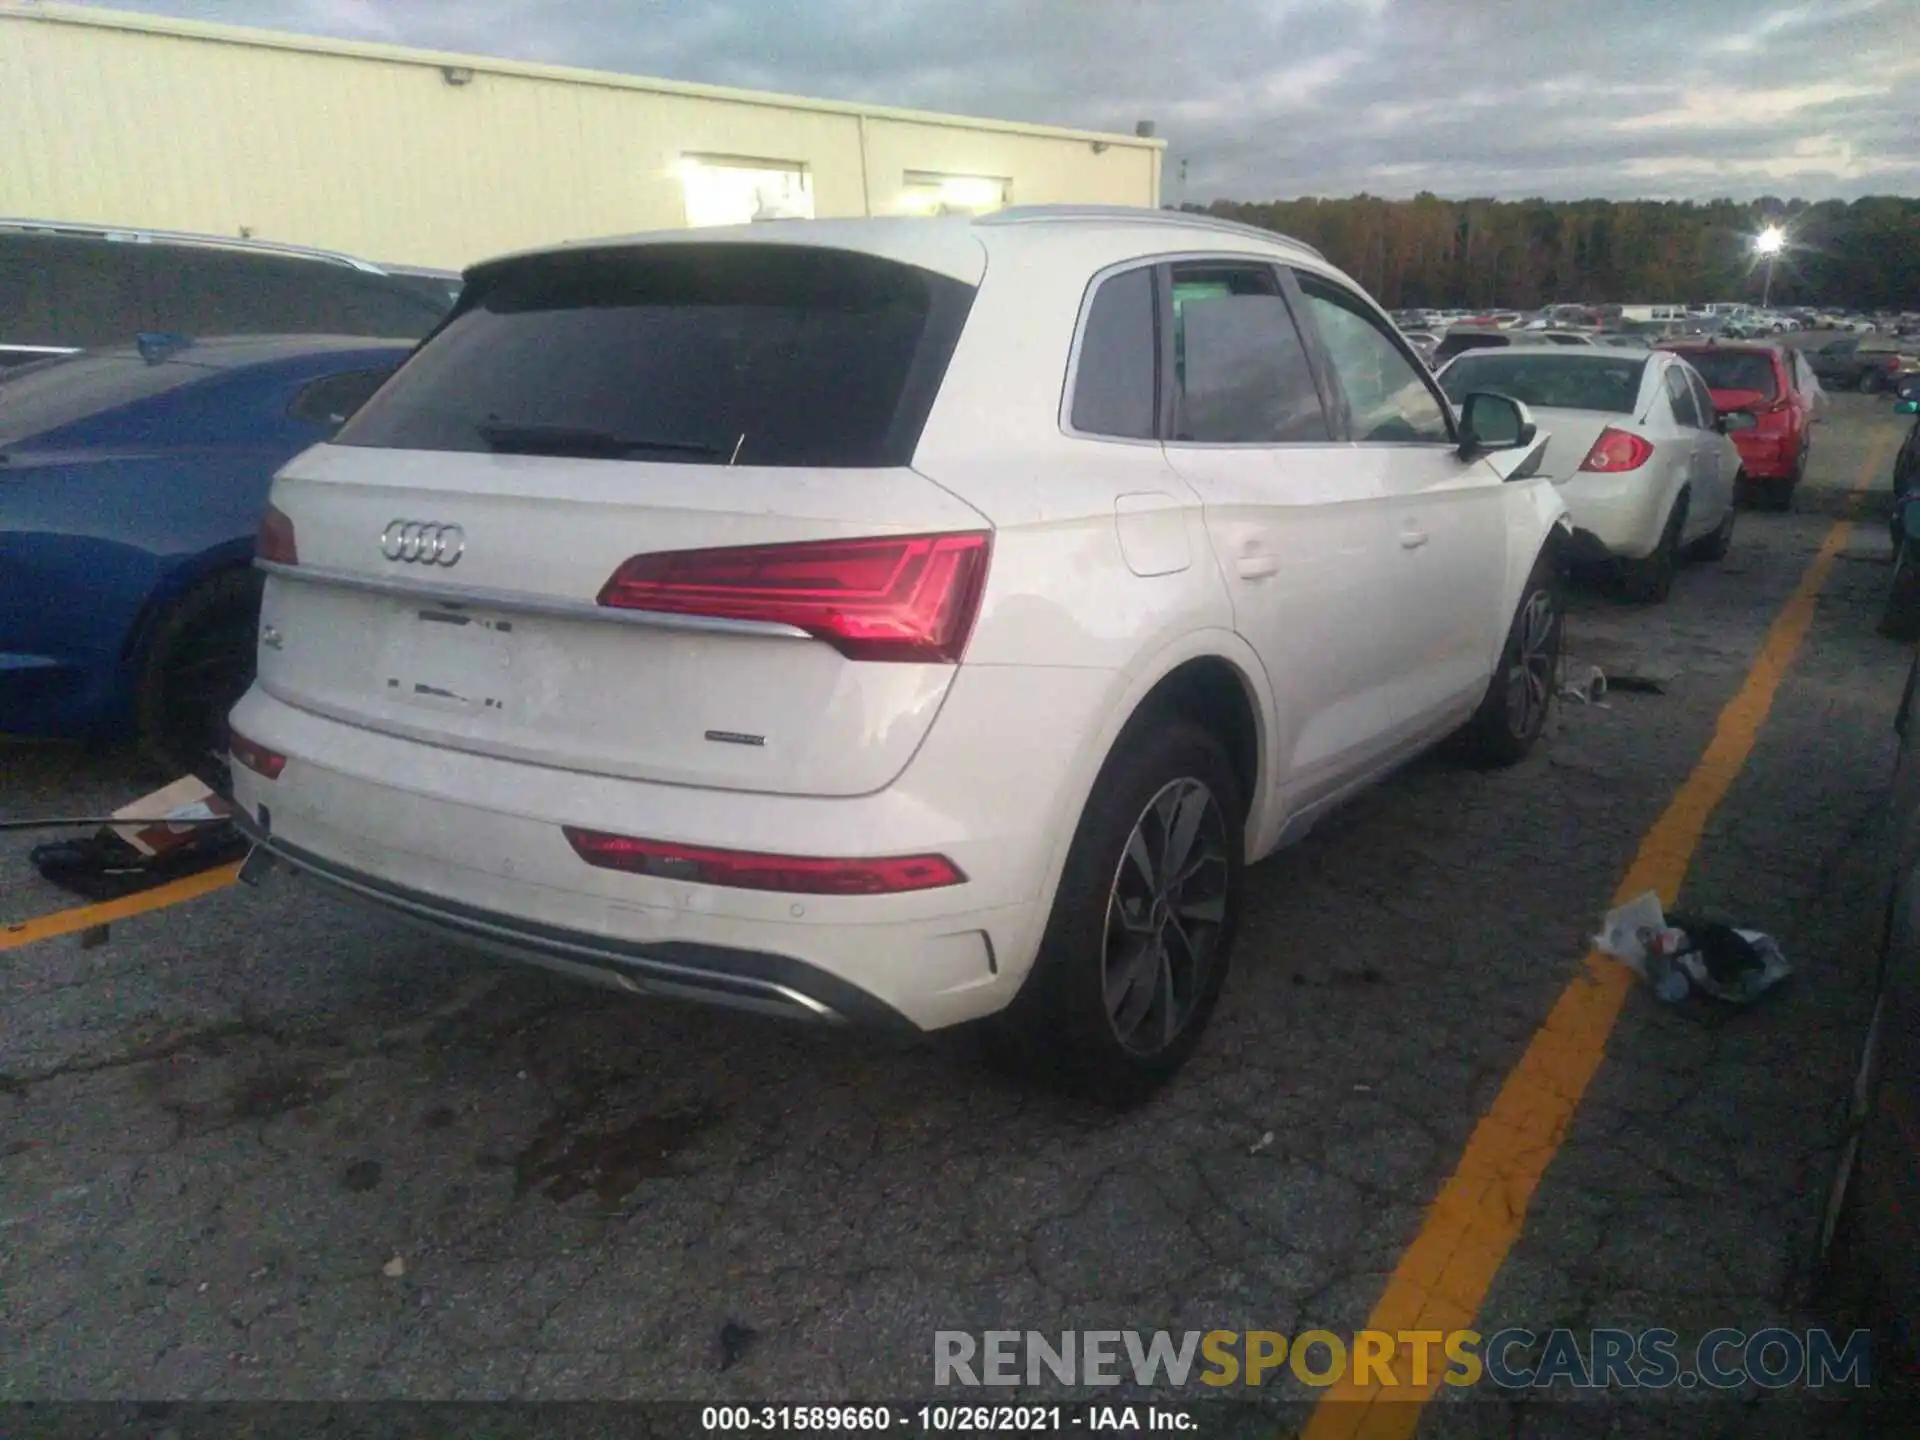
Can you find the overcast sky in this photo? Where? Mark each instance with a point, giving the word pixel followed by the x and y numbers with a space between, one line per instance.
pixel 1265 99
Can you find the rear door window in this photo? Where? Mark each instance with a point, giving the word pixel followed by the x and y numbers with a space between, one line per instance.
pixel 1241 371
pixel 1680 397
pixel 772 355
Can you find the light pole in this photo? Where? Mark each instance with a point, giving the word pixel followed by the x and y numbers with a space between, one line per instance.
pixel 1769 242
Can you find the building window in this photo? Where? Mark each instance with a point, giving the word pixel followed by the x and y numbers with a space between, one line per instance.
pixel 922 192
pixel 725 190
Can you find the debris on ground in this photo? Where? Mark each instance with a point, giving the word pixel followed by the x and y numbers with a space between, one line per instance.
pixel 189 832
pixel 394 1268
pixel 1262 1143
pixel 1679 954
pixel 734 1340
pixel 1590 689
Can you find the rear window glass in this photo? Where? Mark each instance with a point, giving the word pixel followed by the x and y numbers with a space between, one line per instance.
pixel 685 353
pixel 37 399
pixel 1734 370
pixel 1455 344
pixel 85 292
pixel 1561 382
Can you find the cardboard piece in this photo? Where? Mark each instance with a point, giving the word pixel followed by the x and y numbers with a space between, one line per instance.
pixel 185 799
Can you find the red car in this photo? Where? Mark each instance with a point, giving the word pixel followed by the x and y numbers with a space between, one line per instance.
pixel 1777 385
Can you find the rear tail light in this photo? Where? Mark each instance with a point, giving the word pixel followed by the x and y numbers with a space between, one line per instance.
pixel 275 542
pixel 902 598
pixel 1617 450
pixel 744 870
pixel 257 758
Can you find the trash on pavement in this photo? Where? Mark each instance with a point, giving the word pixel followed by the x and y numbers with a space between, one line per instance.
pixel 186 829
pixel 1591 690
pixel 1679 954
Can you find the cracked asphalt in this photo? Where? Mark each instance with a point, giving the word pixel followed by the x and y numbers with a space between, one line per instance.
pixel 264 1146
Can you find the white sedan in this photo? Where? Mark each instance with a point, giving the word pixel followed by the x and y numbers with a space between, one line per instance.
pixel 1638 452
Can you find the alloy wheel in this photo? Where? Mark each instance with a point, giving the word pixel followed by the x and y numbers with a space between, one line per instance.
pixel 1530 678
pixel 1165 911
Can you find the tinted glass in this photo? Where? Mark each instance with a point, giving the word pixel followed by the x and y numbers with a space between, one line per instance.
pixel 684 353
pixel 1241 370
pixel 1567 339
pixel 1458 343
pixel 81 291
pixel 1681 396
pixel 331 399
pixel 1385 387
pixel 1734 370
pixel 1113 384
pixel 36 399
pixel 1608 383
pixel 1703 400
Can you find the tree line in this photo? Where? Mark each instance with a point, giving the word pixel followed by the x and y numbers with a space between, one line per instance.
pixel 1525 253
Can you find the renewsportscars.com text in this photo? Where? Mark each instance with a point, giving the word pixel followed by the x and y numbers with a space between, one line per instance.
pixel 1514 1359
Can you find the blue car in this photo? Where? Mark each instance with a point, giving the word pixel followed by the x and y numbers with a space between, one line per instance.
pixel 132 481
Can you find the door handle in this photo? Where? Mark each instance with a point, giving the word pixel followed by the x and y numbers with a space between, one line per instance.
pixel 1256 567
pixel 1412 537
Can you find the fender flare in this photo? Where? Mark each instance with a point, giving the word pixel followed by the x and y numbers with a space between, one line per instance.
pixel 1125 702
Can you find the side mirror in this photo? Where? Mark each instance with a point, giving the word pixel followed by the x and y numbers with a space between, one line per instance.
pixel 1735 420
pixel 1906 407
pixel 1493 422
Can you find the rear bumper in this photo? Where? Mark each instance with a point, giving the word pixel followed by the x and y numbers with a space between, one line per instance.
pixel 1615 517
pixel 474 846
pixel 716 974
pixel 1768 458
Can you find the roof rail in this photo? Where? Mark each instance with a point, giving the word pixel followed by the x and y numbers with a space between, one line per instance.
pixel 1139 215
pixel 138 235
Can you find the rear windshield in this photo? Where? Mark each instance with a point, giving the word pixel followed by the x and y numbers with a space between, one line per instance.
pixel 1734 370
pixel 83 291
pixel 51 394
pixel 1607 383
pixel 685 353
pixel 1453 344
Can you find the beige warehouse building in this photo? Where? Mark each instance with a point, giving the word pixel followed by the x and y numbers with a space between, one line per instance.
pixel 422 158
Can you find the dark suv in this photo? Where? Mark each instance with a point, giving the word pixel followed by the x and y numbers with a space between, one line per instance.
pixel 73 287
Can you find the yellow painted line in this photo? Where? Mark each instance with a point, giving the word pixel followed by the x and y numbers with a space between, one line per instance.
pixel 1444 1275
pixel 85 917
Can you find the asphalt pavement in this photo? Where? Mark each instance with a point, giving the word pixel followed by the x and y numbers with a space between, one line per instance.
pixel 262 1145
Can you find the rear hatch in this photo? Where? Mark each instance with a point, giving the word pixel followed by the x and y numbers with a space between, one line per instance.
pixel 644 511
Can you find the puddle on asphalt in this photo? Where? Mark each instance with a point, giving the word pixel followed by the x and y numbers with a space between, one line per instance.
pixel 567 1158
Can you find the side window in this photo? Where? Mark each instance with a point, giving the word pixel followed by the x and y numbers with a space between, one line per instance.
pixel 1680 396
pixel 1113 381
pixel 1241 373
pixel 329 400
pixel 1702 398
pixel 1389 397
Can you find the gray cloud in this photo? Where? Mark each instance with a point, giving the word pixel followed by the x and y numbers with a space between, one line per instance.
pixel 1262 99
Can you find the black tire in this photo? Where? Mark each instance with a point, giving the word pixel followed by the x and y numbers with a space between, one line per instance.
pixel 1776 494
pixel 1714 547
pixel 1513 713
pixel 199 661
pixel 1650 581
pixel 1062 1028
pixel 1870 382
pixel 1900 612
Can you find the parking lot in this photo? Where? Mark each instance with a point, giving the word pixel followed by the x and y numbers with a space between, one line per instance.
pixel 259 1144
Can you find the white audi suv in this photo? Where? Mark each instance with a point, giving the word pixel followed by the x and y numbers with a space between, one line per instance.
pixel 910 621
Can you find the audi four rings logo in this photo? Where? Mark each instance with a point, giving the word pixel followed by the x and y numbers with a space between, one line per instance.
pixel 421 542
